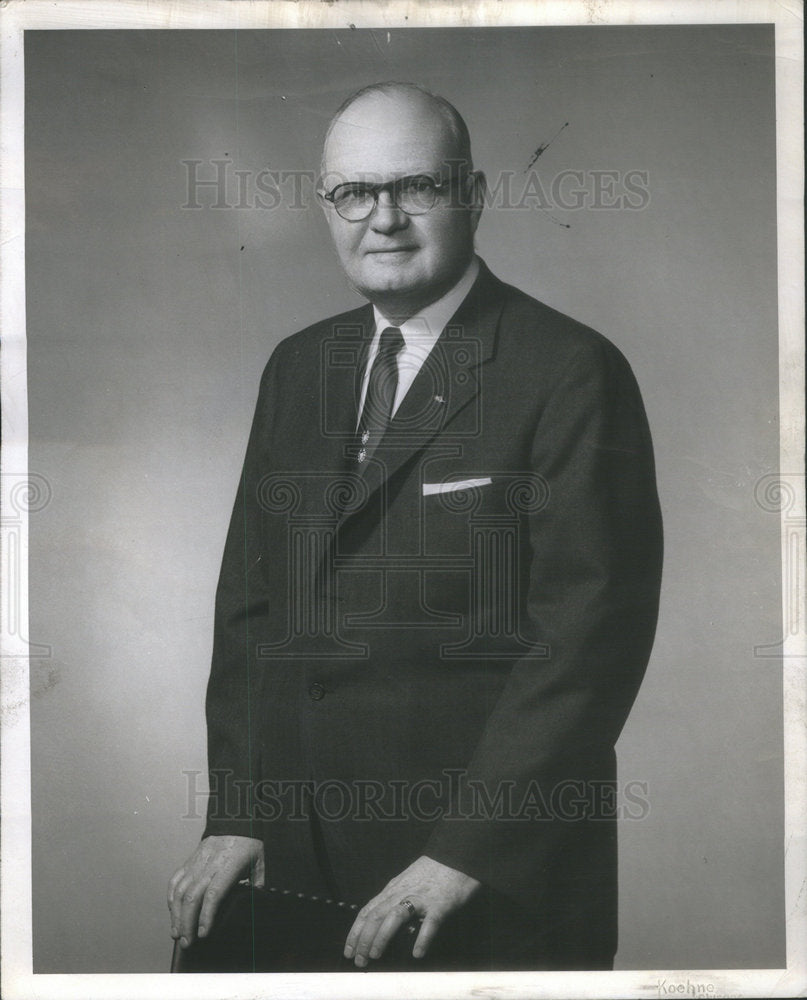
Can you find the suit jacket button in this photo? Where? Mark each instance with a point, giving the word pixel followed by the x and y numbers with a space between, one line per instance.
pixel 316 692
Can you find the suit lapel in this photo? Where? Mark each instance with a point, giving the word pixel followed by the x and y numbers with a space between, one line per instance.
pixel 342 359
pixel 321 413
pixel 449 381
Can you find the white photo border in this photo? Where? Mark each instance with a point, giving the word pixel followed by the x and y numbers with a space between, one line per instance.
pixel 18 493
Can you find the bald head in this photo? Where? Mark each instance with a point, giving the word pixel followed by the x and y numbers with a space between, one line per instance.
pixel 394 123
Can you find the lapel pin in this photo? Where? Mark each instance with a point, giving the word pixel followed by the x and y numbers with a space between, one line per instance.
pixel 365 437
pixel 362 455
pixel 439 399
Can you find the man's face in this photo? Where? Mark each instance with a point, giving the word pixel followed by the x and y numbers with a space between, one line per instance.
pixel 394 259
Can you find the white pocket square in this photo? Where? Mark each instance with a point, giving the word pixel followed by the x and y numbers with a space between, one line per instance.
pixel 430 489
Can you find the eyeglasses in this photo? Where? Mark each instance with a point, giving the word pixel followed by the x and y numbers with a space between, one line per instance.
pixel 413 195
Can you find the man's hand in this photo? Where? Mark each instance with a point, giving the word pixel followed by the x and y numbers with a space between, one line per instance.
pixel 433 889
pixel 197 888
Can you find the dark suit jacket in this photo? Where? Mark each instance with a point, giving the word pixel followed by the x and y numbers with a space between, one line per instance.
pixel 440 673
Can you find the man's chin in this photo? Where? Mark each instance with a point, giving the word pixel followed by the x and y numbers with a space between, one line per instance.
pixel 388 279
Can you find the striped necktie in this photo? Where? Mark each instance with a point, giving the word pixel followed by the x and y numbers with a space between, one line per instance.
pixel 380 397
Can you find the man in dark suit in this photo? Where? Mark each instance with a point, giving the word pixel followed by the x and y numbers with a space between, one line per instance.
pixel 439 588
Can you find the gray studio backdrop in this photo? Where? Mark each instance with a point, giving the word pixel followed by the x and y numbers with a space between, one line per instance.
pixel 149 323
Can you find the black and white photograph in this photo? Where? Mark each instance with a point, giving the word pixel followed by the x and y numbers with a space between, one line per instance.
pixel 403 500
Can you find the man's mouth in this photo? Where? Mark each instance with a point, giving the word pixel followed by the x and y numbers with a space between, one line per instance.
pixel 392 250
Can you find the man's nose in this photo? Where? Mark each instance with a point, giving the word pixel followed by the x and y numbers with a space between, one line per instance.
pixel 386 217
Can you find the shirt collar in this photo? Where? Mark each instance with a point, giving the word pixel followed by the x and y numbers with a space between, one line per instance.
pixel 427 325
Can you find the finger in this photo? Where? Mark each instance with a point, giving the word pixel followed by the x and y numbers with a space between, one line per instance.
pixel 182 878
pixel 191 905
pixel 174 881
pixel 394 920
pixel 216 890
pixel 358 925
pixel 368 932
pixel 172 905
pixel 429 927
pixel 353 937
pixel 179 893
pixel 176 906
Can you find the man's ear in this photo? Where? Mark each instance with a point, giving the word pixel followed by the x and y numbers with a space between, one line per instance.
pixel 477 187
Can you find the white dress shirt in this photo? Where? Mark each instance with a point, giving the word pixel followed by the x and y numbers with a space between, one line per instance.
pixel 420 333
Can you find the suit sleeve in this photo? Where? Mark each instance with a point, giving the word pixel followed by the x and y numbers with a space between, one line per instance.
pixel 592 599
pixel 233 690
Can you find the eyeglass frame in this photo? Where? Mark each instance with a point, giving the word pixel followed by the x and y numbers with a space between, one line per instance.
pixel 376 189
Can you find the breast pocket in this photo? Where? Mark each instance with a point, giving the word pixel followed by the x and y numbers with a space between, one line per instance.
pixel 456 520
pixel 465 500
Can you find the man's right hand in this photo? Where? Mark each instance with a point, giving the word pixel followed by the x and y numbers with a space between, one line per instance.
pixel 198 886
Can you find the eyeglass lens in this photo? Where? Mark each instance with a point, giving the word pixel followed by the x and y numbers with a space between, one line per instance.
pixel 413 195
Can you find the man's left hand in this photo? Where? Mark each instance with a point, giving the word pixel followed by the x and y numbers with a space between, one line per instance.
pixel 434 890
